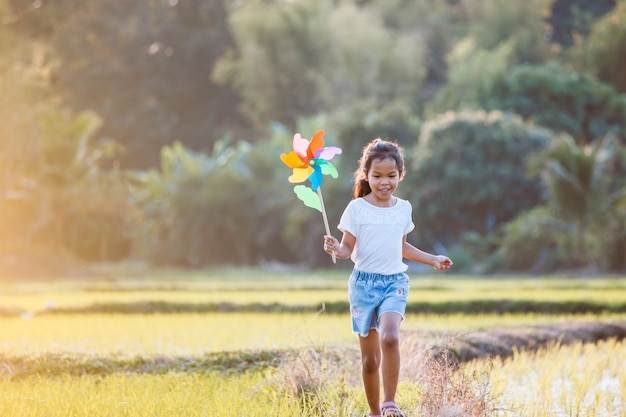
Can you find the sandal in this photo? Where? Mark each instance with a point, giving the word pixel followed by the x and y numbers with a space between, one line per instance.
pixel 390 409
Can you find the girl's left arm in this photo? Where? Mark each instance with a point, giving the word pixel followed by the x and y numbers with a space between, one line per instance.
pixel 410 252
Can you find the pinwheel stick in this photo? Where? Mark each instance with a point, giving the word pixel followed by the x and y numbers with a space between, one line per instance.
pixel 319 193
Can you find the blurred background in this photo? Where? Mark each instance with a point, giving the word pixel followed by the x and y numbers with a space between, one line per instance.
pixel 150 130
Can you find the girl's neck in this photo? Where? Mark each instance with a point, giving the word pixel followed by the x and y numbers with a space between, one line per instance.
pixel 371 199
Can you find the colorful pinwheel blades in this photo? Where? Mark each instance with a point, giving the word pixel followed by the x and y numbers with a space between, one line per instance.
pixel 310 160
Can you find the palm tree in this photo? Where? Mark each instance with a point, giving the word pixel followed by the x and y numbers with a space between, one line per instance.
pixel 580 184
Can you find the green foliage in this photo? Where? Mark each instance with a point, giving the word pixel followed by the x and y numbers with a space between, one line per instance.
pixel 601 53
pixel 93 216
pixel 53 190
pixel 582 189
pixel 185 210
pixel 143 67
pixel 67 151
pixel 296 59
pixel 472 73
pixel 227 207
pixel 537 241
pixel 584 222
pixel 150 73
pixel 83 205
pixel 358 124
pixel 25 95
pixel 438 22
pixel 570 19
pixel 62 196
pixel 520 22
pixel 612 230
pixel 612 240
pixel 278 63
pixel 577 178
pixel 561 99
pixel 476 253
pixel 470 173
pixel 370 61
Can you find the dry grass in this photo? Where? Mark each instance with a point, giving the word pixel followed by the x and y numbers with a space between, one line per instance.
pixel 325 381
pixel 445 389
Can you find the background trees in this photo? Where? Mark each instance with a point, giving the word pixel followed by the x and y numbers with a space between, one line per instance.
pixel 152 129
pixel 561 99
pixel 584 194
pixel 606 43
pixel 572 19
pixel 143 66
pixel 297 59
pixel 470 174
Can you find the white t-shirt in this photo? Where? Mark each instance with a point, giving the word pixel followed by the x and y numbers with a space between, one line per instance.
pixel 378 232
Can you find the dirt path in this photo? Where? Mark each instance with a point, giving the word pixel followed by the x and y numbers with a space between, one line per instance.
pixel 503 342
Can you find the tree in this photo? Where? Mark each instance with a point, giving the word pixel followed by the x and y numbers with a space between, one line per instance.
pixel 233 206
pixel 519 22
pixel 601 53
pixel 560 99
pixel 439 23
pixel 210 209
pixel 355 126
pixel 299 59
pixel 472 73
pixel 23 83
pixel 535 241
pixel 66 197
pixel 571 18
pixel 469 173
pixel 53 192
pixel 143 67
pixel 189 212
pixel 580 183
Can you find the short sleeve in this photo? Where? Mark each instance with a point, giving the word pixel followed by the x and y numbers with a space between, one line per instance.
pixel 409 225
pixel 347 223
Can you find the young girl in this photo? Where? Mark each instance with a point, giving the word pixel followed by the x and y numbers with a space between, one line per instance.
pixel 375 225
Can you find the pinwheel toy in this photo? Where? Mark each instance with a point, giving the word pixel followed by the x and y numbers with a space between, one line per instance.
pixel 310 161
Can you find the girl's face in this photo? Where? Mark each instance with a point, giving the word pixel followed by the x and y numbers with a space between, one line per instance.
pixel 383 178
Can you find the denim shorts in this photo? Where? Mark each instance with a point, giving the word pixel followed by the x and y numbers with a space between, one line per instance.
pixel 372 295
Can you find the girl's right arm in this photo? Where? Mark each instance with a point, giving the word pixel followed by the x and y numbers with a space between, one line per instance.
pixel 342 250
pixel 439 262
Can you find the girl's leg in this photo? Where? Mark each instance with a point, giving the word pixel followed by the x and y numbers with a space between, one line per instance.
pixel 390 344
pixel 370 365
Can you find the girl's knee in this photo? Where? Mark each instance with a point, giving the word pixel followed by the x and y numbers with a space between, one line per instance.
pixel 370 363
pixel 389 340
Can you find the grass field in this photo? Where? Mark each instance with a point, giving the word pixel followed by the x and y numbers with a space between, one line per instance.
pixel 300 288
pixel 577 380
pixel 58 358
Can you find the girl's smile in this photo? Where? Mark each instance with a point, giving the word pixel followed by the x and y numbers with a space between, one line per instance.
pixel 383 178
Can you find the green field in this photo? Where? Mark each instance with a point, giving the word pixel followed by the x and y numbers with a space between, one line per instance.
pixel 59 356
